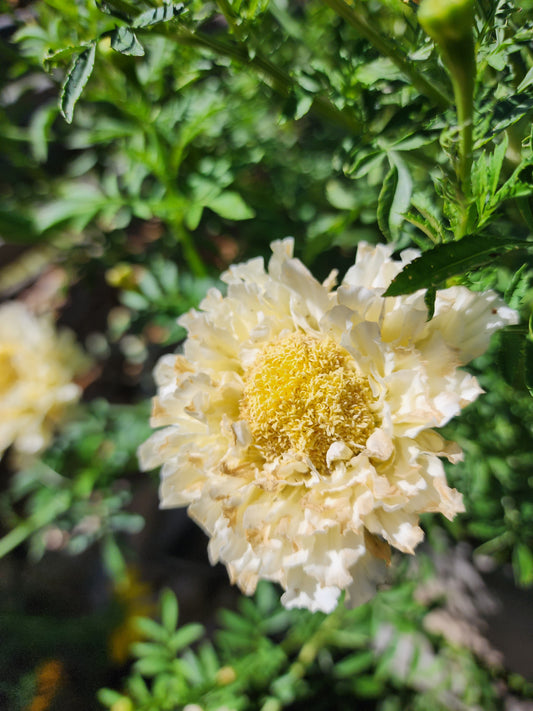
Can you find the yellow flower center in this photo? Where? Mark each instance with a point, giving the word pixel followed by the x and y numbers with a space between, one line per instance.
pixel 304 393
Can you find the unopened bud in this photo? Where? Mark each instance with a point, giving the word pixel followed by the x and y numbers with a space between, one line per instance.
pixel 447 20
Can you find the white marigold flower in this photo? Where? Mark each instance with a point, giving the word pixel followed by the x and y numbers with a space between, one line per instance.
pixel 298 423
pixel 37 367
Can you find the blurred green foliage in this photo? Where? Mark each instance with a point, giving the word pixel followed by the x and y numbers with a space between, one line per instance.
pixel 265 657
pixel 496 434
pixel 78 492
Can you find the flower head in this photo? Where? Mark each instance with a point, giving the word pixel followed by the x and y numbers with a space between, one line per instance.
pixel 297 426
pixel 37 368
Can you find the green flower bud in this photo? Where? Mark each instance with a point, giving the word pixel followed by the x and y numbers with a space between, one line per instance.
pixel 447 20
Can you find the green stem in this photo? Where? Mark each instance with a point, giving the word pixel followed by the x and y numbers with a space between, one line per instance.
pixel 462 67
pixel 41 518
pixel 193 259
pixel 361 24
pixel 226 10
pixel 308 652
pixel 450 24
pixel 464 96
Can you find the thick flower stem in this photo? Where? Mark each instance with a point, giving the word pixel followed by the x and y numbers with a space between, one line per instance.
pixel 463 87
pixel 193 259
pixel 355 18
pixel 450 24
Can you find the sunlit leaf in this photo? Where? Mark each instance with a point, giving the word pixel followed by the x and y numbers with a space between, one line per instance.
pixel 394 198
pixel 164 13
pixel 385 200
pixel 433 267
pixel 123 40
pixel 231 206
pixel 185 636
pixel 76 80
pixel 54 58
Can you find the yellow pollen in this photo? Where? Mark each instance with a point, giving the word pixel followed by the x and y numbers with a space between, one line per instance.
pixel 304 393
pixel 8 373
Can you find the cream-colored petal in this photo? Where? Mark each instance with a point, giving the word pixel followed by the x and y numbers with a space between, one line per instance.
pixel 306 474
pixel 37 367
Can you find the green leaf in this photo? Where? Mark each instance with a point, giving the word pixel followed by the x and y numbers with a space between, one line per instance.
pixel 76 80
pixel 436 265
pixel 135 301
pixel 159 14
pixel 17 227
pixel 39 128
pixel 508 112
pixel 113 559
pixel 81 203
pixel 341 196
pixel 54 58
pixel 515 356
pixel 117 8
pixel 385 201
pixel 123 40
pixel 523 564
pixel 169 610
pixel 402 197
pixel 149 649
pixel 368 687
pixel 518 287
pixel 429 300
pixel 528 365
pixel 150 666
pixel 236 623
pixel 231 206
pixel 520 183
pixel 108 697
pixel 394 198
pixel 185 636
pixel 138 688
pixel 151 629
pixel 526 81
pixel 354 664
pixel 193 215
pixel 167 274
pixel 428 219
pixel 496 164
pixel 365 163
pixel 150 288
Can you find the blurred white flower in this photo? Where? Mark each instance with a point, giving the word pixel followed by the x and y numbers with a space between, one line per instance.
pixel 37 367
pixel 297 426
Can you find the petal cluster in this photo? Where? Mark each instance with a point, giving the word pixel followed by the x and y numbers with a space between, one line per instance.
pixel 298 424
pixel 37 368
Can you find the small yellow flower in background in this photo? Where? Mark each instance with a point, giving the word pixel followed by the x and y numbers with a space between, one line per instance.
pixel 135 599
pixel 298 423
pixel 37 369
pixel 49 677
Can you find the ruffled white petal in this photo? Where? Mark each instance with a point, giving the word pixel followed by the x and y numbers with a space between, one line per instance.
pixel 317 528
